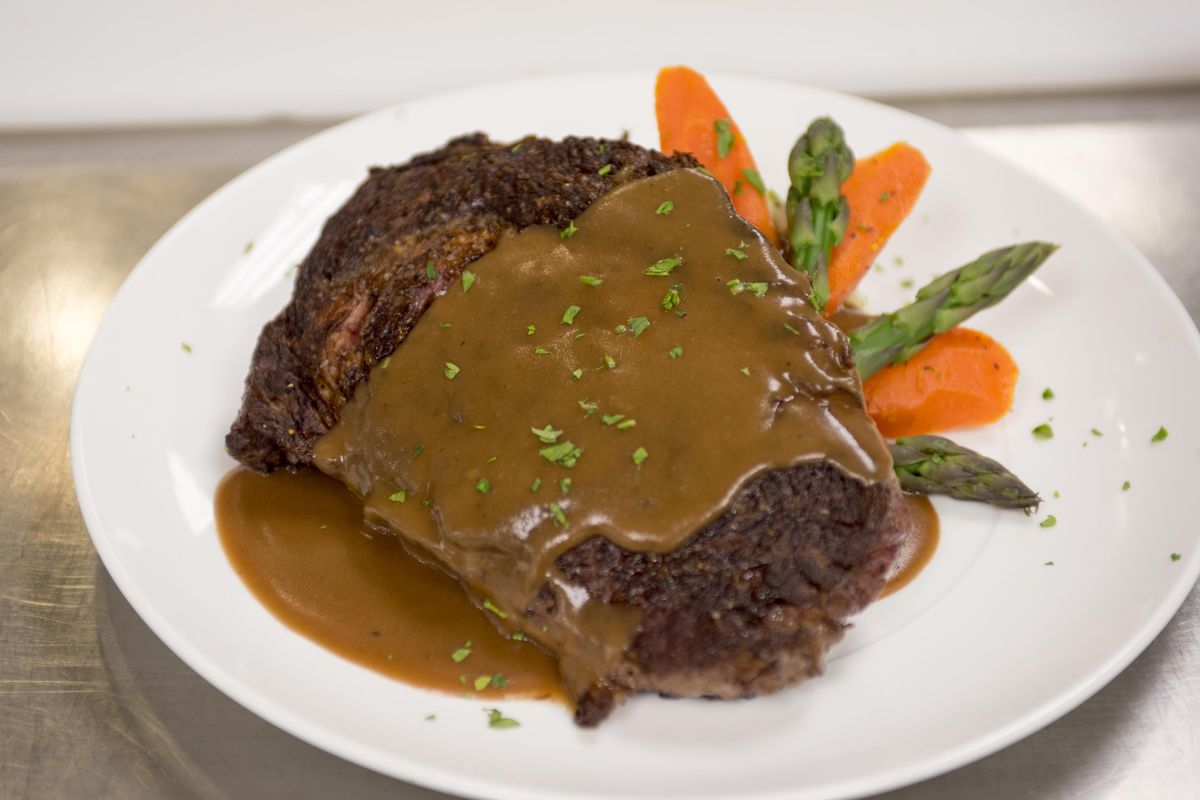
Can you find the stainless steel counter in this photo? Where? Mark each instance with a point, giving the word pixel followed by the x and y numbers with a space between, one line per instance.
pixel 93 705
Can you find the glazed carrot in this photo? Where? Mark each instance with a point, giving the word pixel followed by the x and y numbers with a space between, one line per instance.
pixel 961 378
pixel 881 191
pixel 691 118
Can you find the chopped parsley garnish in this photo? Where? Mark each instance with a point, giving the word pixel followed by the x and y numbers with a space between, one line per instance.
pixel 187 348
pixel 671 298
pixel 479 426
pixel 541 351
pixel 610 362
pixel 519 636
pixel 249 246
pixel 482 682
pixel 537 484
pixel 468 280
pixel 745 371
pixel 736 287
pixel 612 419
pixel 398 497
pixel 638 325
pixel 590 280
pixel 1126 486
pixel 588 407
pixel 1049 521
pixel 639 456
pixel 665 208
pixel 626 424
pixel 385 363
pixel 498 680
pixel 607 168
pixel 431 718
pixel 676 351
pixel 1043 431
pixel 565 485
pixel 483 486
pixel 460 655
pixel 907 283
pixel 1159 435
pixel 754 179
pixel 495 609
pixel 430 272
pixel 548 434
pixel 1176 556
pixel 451 370
pixel 565 454
pixel 498 721
pixel 1048 564
pixel 569 231
pixel 530 330
pixel 788 327
pixel 663 267
pixel 1047 393
pixel 577 374
pixel 725 138
pixel 1096 432
pixel 568 317
pixel 738 254
pixel 557 512
pixel 446 325
pixel 883 198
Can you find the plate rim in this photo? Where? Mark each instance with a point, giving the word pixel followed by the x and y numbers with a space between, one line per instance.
pixel 413 770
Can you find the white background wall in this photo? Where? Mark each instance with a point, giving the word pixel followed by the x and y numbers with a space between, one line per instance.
pixel 119 62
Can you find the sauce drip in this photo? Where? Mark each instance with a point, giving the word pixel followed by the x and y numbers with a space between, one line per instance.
pixel 624 378
pixel 299 542
pixel 918 548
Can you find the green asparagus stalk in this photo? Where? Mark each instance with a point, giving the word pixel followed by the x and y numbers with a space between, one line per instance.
pixel 817 214
pixel 933 465
pixel 943 304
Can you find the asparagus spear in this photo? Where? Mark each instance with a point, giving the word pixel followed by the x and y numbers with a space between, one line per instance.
pixel 817 214
pixel 944 303
pixel 933 465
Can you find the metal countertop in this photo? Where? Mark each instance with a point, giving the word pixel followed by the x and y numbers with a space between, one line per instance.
pixel 92 704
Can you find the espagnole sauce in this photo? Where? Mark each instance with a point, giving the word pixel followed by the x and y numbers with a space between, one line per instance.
pixel 918 548
pixel 299 542
pixel 623 378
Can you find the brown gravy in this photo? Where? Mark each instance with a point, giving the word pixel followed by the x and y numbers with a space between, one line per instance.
pixel 918 548
pixel 299 542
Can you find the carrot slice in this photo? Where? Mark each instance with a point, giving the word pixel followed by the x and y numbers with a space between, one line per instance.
pixel 961 378
pixel 689 113
pixel 881 191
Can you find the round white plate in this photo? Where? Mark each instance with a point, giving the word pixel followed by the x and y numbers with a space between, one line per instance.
pixel 1011 626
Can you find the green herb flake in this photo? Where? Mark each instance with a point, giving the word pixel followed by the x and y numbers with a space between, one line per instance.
pixel 568 317
pixel 187 348
pixel 249 246
pixel 704 171
pixel 639 456
pixel 557 513
pixel 788 327
pixel 398 497
pixel 460 655
pixel 468 280
pixel 672 298
pixel 537 484
pixel 541 351
pixel 498 680
pixel 451 371
pixel 626 424
pixel 907 283
pixel 1048 564
pixel 738 254
pixel 498 721
pixel 883 198
pixel 745 371
pixel 482 682
pixel 638 325
pixel 1097 432
pixel 519 636
pixel 754 179
pixel 569 231
pixel 758 289
pixel 479 427
pixel 530 330
pixel 483 486
pixel 1176 556
pixel 1047 393
pixel 725 138
pixel 427 502
pixel 607 168
pixel 1159 435
pixel 612 419
pixel 665 208
pixel 385 362
pixel 447 325
pixel 430 272
pixel 590 280
pixel 1043 431
pixel 1056 494
pixel 1049 521
pixel 548 434
pixel 1126 486
pixel 495 609
pixel 898 261
pixel 577 374
pixel 610 362
pixel 565 454
pixel 663 267
pixel 588 407
pixel 431 717
pixel 676 351
pixel 564 485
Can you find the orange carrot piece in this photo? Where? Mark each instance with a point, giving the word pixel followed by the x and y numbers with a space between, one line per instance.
pixel 881 191
pixel 688 110
pixel 961 378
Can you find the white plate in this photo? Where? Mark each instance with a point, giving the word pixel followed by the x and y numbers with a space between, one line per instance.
pixel 988 645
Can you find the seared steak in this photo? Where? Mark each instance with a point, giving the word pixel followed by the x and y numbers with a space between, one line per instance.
pixel 749 604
